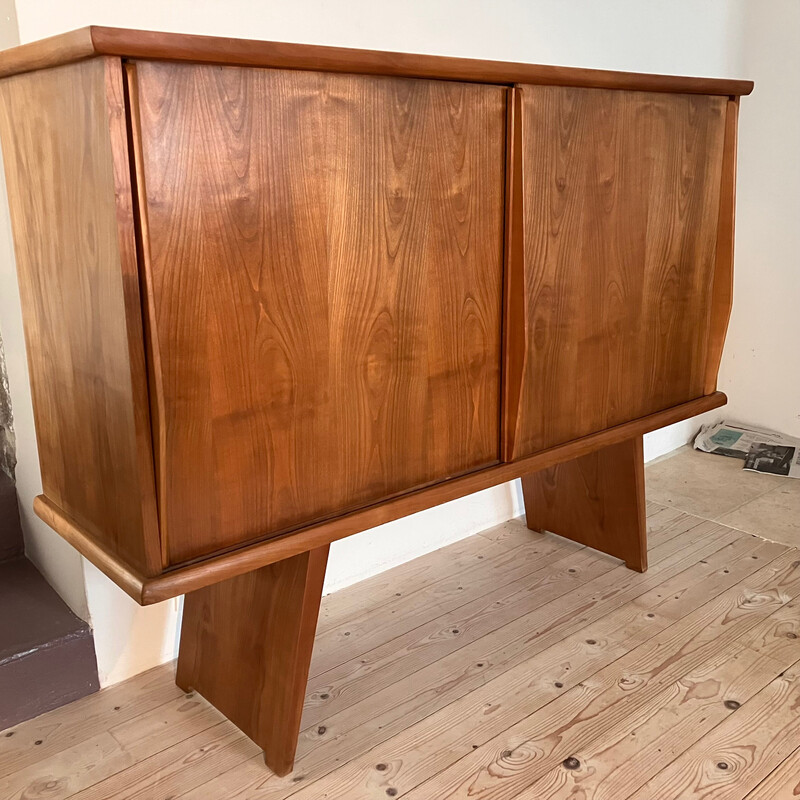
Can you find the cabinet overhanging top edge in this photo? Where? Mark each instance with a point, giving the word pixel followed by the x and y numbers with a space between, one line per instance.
pixel 92 41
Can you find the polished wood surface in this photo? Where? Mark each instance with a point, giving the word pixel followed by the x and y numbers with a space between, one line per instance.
pixel 596 500
pixel 66 163
pixel 621 195
pixel 175 582
pixel 722 286
pixel 514 303
pixel 246 647
pixel 689 656
pixel 60 50
pixel 136 44
pixel 322 346
pixel 92 548
pixel 327 335
pixel 270 308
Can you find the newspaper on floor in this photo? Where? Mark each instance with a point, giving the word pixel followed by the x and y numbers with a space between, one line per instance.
pixel 761 450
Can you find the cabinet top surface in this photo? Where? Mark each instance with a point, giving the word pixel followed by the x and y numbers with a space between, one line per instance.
pixel 124 43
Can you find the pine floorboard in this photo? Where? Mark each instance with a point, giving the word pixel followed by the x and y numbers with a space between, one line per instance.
pixel 508 665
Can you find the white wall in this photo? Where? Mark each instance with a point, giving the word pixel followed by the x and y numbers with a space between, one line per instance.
pixel 671 36
pixel 761 369
pixel 9 30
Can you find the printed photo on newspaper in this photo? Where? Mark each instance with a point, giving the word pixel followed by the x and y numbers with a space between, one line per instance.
pixel 761 450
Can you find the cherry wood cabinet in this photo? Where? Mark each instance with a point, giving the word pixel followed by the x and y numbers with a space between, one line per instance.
pixel 277 294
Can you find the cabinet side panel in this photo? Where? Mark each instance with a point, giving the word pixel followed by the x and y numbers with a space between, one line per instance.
pixel 621 198
pixel 69 192
pixel 324 269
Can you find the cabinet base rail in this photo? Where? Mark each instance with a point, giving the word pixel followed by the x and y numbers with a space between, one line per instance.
pixel 185 579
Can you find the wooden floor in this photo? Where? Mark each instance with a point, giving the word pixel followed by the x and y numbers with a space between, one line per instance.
pixel 508 665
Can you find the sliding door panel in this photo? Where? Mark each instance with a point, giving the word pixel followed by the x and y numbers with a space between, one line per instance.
pixel 615 258
pixel 323 265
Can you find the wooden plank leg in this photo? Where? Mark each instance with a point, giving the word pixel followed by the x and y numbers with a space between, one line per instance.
pixel 597 500
pixel 246 647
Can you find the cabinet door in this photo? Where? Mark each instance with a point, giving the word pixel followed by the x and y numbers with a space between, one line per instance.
pixel 323 270
pixel 611 272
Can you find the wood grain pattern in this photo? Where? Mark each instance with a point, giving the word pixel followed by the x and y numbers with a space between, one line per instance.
pixel 92 547
pixel 325 272
pixel 621 197
pixel 178 581
pixel 77 722
pixel 597 500
pixel 782 784
pixel 507 766
pixel 673 552
pixel 155 402
pixel 64 144
pixel 514 300
pixel 422 750
pixel 440 705
pixel 739 753
pixel 333 269
pixel 60 50
pixel 246 647
pixel 678 713
pixel 98 40
pixel 637 699
pixel 68 729
pixel 722 287
pixel 347 654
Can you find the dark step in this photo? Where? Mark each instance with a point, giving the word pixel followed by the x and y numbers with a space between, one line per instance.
pixel 47 654
pixel 10 531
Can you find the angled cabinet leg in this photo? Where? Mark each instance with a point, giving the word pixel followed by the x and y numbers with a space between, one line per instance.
pixel 597 500
pixel 246 647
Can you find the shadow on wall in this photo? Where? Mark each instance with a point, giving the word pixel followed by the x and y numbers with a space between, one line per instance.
pixel 8 458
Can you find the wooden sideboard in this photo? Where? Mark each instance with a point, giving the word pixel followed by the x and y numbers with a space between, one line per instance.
pixel 276 294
